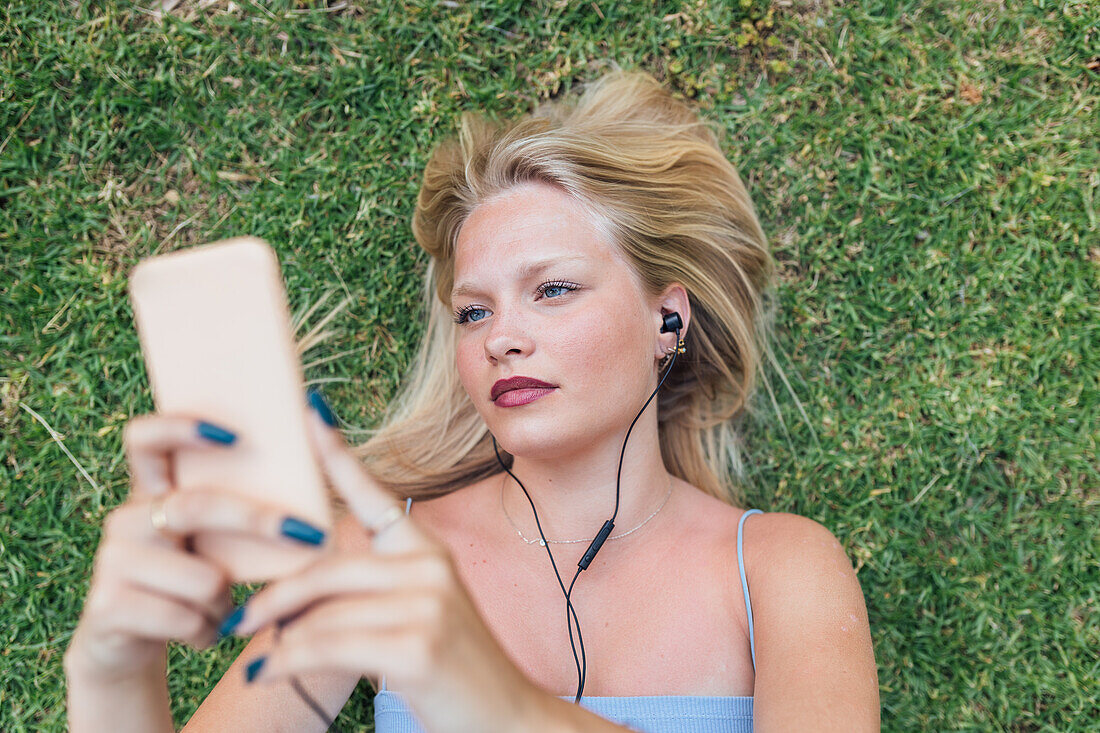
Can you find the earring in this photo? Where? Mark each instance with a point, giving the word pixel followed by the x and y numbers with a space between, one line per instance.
pixel 679 348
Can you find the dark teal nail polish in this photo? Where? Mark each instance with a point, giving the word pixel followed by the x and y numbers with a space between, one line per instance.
pixel 231 622
pixel 254 668
pixel 216 434
pixel 317 400
pixel 296 529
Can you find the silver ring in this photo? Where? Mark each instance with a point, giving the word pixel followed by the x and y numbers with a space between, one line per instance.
pixel 157 515
pixel 390 517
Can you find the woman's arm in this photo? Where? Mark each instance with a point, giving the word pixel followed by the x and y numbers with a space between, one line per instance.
pixel 94 702
pixel 235 705
pixel 815 663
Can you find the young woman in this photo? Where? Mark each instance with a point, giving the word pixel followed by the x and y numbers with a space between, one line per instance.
pixel 555 389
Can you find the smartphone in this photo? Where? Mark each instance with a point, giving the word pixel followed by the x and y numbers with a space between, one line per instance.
pixel 214 327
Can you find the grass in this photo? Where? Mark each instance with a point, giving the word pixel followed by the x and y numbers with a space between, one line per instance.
pixel 927 174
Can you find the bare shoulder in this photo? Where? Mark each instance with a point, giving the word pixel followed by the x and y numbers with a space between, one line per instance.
pixel 797 542
pixel 814 655
pixel 796 567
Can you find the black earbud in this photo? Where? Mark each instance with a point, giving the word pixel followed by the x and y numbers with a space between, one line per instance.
pixel 672 323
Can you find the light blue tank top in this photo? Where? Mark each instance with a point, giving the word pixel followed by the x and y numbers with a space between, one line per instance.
pixel 649 714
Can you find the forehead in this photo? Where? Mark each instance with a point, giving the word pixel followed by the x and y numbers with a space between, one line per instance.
pixel 532 223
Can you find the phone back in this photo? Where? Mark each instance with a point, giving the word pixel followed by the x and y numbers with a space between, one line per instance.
pixel 214 327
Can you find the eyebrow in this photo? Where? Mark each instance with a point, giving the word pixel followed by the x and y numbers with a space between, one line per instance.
pixel 528 270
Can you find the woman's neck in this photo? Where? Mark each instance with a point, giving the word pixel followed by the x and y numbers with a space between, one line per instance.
pixel 575 494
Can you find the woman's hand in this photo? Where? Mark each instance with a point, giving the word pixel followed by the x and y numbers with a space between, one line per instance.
pixel 398 609
pixel 146 587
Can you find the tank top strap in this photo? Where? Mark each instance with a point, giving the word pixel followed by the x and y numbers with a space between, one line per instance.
pixel 408 510
pixel 745 582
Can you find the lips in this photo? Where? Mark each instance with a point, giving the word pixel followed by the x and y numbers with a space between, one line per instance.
pixel 507 385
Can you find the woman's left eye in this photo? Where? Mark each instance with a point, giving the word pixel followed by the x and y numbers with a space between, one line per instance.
pixel 551 289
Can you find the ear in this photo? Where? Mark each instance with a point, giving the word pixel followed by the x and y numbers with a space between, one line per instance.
pixel 674 299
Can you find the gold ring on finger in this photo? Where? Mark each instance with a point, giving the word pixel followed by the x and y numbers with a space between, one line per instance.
pixel 157 514
pixel 390 517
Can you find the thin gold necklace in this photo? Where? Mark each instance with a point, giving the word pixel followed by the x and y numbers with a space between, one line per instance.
pixel 539 541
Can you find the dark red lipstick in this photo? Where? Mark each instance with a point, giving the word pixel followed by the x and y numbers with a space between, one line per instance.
pixel 514 383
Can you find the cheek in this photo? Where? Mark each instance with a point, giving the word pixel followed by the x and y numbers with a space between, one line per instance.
pixel 466 364
pixel 609 346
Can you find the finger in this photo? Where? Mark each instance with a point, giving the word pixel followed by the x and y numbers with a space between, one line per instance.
pixel 147 615
pixel 377 612
pixel 345 574
pixel 368 501
pixel 180 576
pixel 345 472
pixel 189 511
pixel 149 441
pixel 401 654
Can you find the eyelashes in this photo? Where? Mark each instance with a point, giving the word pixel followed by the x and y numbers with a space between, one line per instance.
pixel 462 315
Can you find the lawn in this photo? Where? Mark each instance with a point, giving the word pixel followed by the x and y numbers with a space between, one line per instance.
pixel 923 170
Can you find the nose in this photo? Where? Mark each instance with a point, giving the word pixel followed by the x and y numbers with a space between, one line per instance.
pixel 507 336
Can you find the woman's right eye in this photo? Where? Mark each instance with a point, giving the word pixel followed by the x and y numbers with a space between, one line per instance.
pixel 463 315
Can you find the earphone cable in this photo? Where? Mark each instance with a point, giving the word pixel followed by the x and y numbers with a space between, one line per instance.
pixel 622 453
pixel 569 609
pixel 605 531
pixel 584 659
pixel 330 723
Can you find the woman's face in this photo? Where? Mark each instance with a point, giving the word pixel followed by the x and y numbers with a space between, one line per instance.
pixel 540 292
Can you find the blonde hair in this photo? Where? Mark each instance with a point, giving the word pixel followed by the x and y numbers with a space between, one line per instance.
pixel 642 163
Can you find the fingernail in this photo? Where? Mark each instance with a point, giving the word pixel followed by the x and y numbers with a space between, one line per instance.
pixel 317 400
pixel 254 668
pixel 231 622
pixel 216 434
pixel 296 529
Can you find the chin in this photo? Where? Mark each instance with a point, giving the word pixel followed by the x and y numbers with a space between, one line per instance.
pixel 536 431
pixel 536 439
